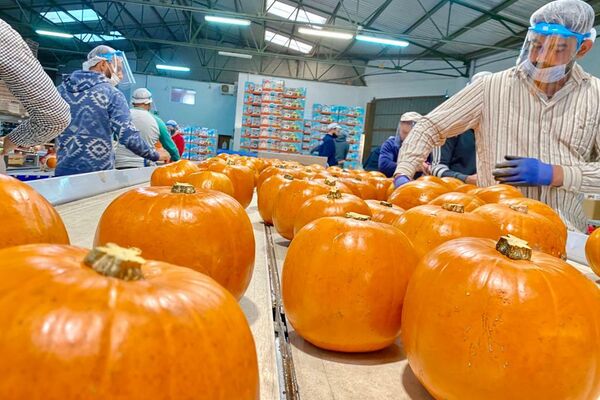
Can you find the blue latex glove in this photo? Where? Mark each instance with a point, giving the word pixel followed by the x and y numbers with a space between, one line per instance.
pixel 520 171
pixel 400 180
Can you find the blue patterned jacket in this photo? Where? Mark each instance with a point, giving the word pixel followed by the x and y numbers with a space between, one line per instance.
pixel 99 112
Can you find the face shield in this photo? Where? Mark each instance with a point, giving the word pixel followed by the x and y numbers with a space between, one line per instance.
pixel 120 72
pixel 549 52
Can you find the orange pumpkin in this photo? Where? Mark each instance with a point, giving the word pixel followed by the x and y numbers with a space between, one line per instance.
pixel 466 188
pixel 539 208
pixel 51 162
pixel 377 174
pixel 416 193
pixel 108 324
pixel 541 233
pixel 360 188
pixel 482 323
pixel 242 178
pixel 332 204
pixel 592 251
pixel 434 179
pixel 469 201
pixel 497 193
pixel 201 229
pixel 429 226
pixel 341 288
pixel 267 194
pixel 381 186
pixel 384 212
pixel 335 183
pixel 26 217
pixel 317 167
pixel 170 174
pixel 453 183
pixel 211 181
pixel 269 172
pixel 288 202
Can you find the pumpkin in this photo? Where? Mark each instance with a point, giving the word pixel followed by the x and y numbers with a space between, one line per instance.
pixel 360 188
pixel 381 186
pixel 494 320
pixel 51 162
pixel 242 178
pixel 384 212
pixel 332 204
pixel 334 169
pixel 497 193
pixel 377 174
pixel 592 251
pixel 288 202
pixel 211 181
pixel 108 324
pixel 452 183
pixel 335 183
pixel 269 172
pixel 317 167
pixel 201 229
pixel 267 194
pixel 469 201
pixel 541 232
pixel 429 226
pixel 416 193
pixel 465 188
pixel 539 208
pixel 341 287
pixel 170 174
pixel 26 217
pixel 434 179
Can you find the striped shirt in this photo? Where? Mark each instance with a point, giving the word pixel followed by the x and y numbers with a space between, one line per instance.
pixel 512 117
pixel 49 114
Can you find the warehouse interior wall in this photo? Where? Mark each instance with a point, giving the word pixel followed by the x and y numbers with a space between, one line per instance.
pixel 211 109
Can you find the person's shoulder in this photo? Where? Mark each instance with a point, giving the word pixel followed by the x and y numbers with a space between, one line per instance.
pixel 390 143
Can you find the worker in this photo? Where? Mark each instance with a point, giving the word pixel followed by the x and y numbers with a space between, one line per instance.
pixel 327 148
pixel 457 157
pixel 537 125
pixel 389 149
pixel 48 113
pixel 152 130
pixel 176 135
pixel 98 112
pixel 342 147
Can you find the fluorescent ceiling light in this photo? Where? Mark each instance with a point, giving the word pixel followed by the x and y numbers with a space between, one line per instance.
pixel 79 15
pixel 172 68
pixel 286 41
pixel 238 55
pixel 387 42
pixel 224 20
pixel 292 13
pixel 55 34
pixel 327 34
pixel 92 38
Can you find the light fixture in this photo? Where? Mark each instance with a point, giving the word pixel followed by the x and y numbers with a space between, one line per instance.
pixel 172 68
pixel 237 55
pixel 55 34
pixel 224 20
pixel 327 34
pixel 387 42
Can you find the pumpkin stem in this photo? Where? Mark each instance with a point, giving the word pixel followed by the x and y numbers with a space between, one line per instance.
pixel 334 194
pixel 184 188
pixel 357 216
pixel 386 204
pixel 514 248
pixel 522 208
pixel 116 262
pixel 457 208
pixel 330 182
pixel 288 177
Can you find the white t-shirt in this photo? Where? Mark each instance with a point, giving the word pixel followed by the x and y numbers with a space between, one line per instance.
pixel 149 132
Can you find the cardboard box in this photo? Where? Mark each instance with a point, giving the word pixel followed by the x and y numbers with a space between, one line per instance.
pixel 591 208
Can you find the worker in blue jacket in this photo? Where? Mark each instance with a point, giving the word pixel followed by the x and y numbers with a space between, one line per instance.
pixel 327 148
pixel 388 155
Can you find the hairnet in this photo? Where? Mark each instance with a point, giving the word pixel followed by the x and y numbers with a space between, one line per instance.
pixel 334 125
pixel 141 96
pixel 172 122
pixel 96 55
pixel 575 15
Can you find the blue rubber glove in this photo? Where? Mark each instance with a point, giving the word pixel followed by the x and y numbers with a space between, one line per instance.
pixel 400 180
pixel 520 171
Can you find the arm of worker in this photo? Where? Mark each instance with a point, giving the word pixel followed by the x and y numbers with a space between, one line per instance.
pixel 442 158
pixel 167 141
pixel 49 114
pixel 453 117
pixel 123 128
pixel 387 161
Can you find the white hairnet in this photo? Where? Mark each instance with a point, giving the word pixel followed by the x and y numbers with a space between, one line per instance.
pixel 141 96
pixel 95 56
pixel 479 75
pixel 410 116
pixel 334 125
pixel 575 15
pixel 172 122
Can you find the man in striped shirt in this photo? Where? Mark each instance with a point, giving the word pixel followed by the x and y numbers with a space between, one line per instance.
pixel 545 110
